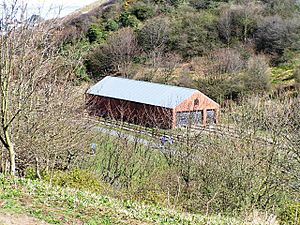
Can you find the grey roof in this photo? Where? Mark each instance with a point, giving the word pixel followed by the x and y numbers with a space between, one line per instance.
pixel 140 91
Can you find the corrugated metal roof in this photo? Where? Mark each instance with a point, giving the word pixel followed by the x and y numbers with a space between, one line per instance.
pixel 140 91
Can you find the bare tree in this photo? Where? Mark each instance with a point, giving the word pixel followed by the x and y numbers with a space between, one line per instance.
pixel 225 24
pixel 155 34
pixel 116 56
pixel 25 53
pixel 239 20
pixel 33 84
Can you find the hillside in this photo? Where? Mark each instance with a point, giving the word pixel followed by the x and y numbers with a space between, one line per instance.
pixel 57 205
pixel 226 49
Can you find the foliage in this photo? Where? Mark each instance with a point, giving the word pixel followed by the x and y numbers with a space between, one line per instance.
pixel 238 22
pixel 284 8
pixel 290 213
pixel 123 167
pixel 128 20
pixel 111 25
pixel 199 4
pixel 296 74
pixel 232 171
pixel 218 74
pixel 115 56
pixel 155 34
pixel 194 34
pixel 142 11
pixel 72 56
pixel 257 75
pixel 276 35
pixel 252 164
pixel 192 29
pixel 38 128
pixel 76 178
pixel 95 33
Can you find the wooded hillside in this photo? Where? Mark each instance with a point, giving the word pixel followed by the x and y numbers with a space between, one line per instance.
pixel 224 48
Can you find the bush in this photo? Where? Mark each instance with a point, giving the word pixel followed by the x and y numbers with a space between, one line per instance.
pixel 95 33
pixel 238 22
pixel 128 20
pixel 154 34
pixel 296 74
pixel 194 34
pixel 257 75
pixel 111 25
pixel 219 73
pixel 220 89
pixel 271 36
pixel 199 4
pixel 290 214
pixel 80 179
pixel 284 8
pixel 142 11
pixel 115 56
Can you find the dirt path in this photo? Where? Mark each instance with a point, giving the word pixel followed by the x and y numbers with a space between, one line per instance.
pixel 14 219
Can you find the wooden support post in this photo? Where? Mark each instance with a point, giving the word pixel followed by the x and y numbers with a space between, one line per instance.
pixel 173 118
pixel 204 117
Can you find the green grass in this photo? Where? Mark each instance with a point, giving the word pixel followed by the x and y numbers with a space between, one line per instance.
pixel 57 205
pixel 282 74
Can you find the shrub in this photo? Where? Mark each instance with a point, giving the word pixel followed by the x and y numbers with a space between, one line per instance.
pixel 285 8
pixel 95 33
pixel 238 21
pixel 257 75
pixel 154 34
pixel 220 89
pixel 80 179
pixel 142 11
pixel 199 4
pixel 194 34
pixel 219 73
pixel 271 36
pixel 296 74
pixel 128 20
pixel 111 25
pixel 290 213
pixel 114 56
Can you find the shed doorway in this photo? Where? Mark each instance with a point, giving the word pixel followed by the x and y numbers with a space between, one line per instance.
pixel 193 118
pixel 211 116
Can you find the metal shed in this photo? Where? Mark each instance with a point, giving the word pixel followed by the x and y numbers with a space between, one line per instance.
pixel 151 104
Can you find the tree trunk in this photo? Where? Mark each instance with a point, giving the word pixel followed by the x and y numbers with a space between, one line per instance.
pixel 12 154
pixel 37 168
pixel 12 160
pixel 2 164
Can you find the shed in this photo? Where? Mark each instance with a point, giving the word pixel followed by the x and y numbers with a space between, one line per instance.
pixel 150 104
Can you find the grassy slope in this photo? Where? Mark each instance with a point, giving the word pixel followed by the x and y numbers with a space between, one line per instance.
pixel 58 205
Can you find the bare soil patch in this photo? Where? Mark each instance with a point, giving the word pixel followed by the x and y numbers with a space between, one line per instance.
pixel 14 219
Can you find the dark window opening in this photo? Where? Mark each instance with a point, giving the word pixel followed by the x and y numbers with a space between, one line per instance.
pixel 196 102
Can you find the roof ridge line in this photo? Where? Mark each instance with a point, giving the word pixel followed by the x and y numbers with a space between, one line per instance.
pixel 151 82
